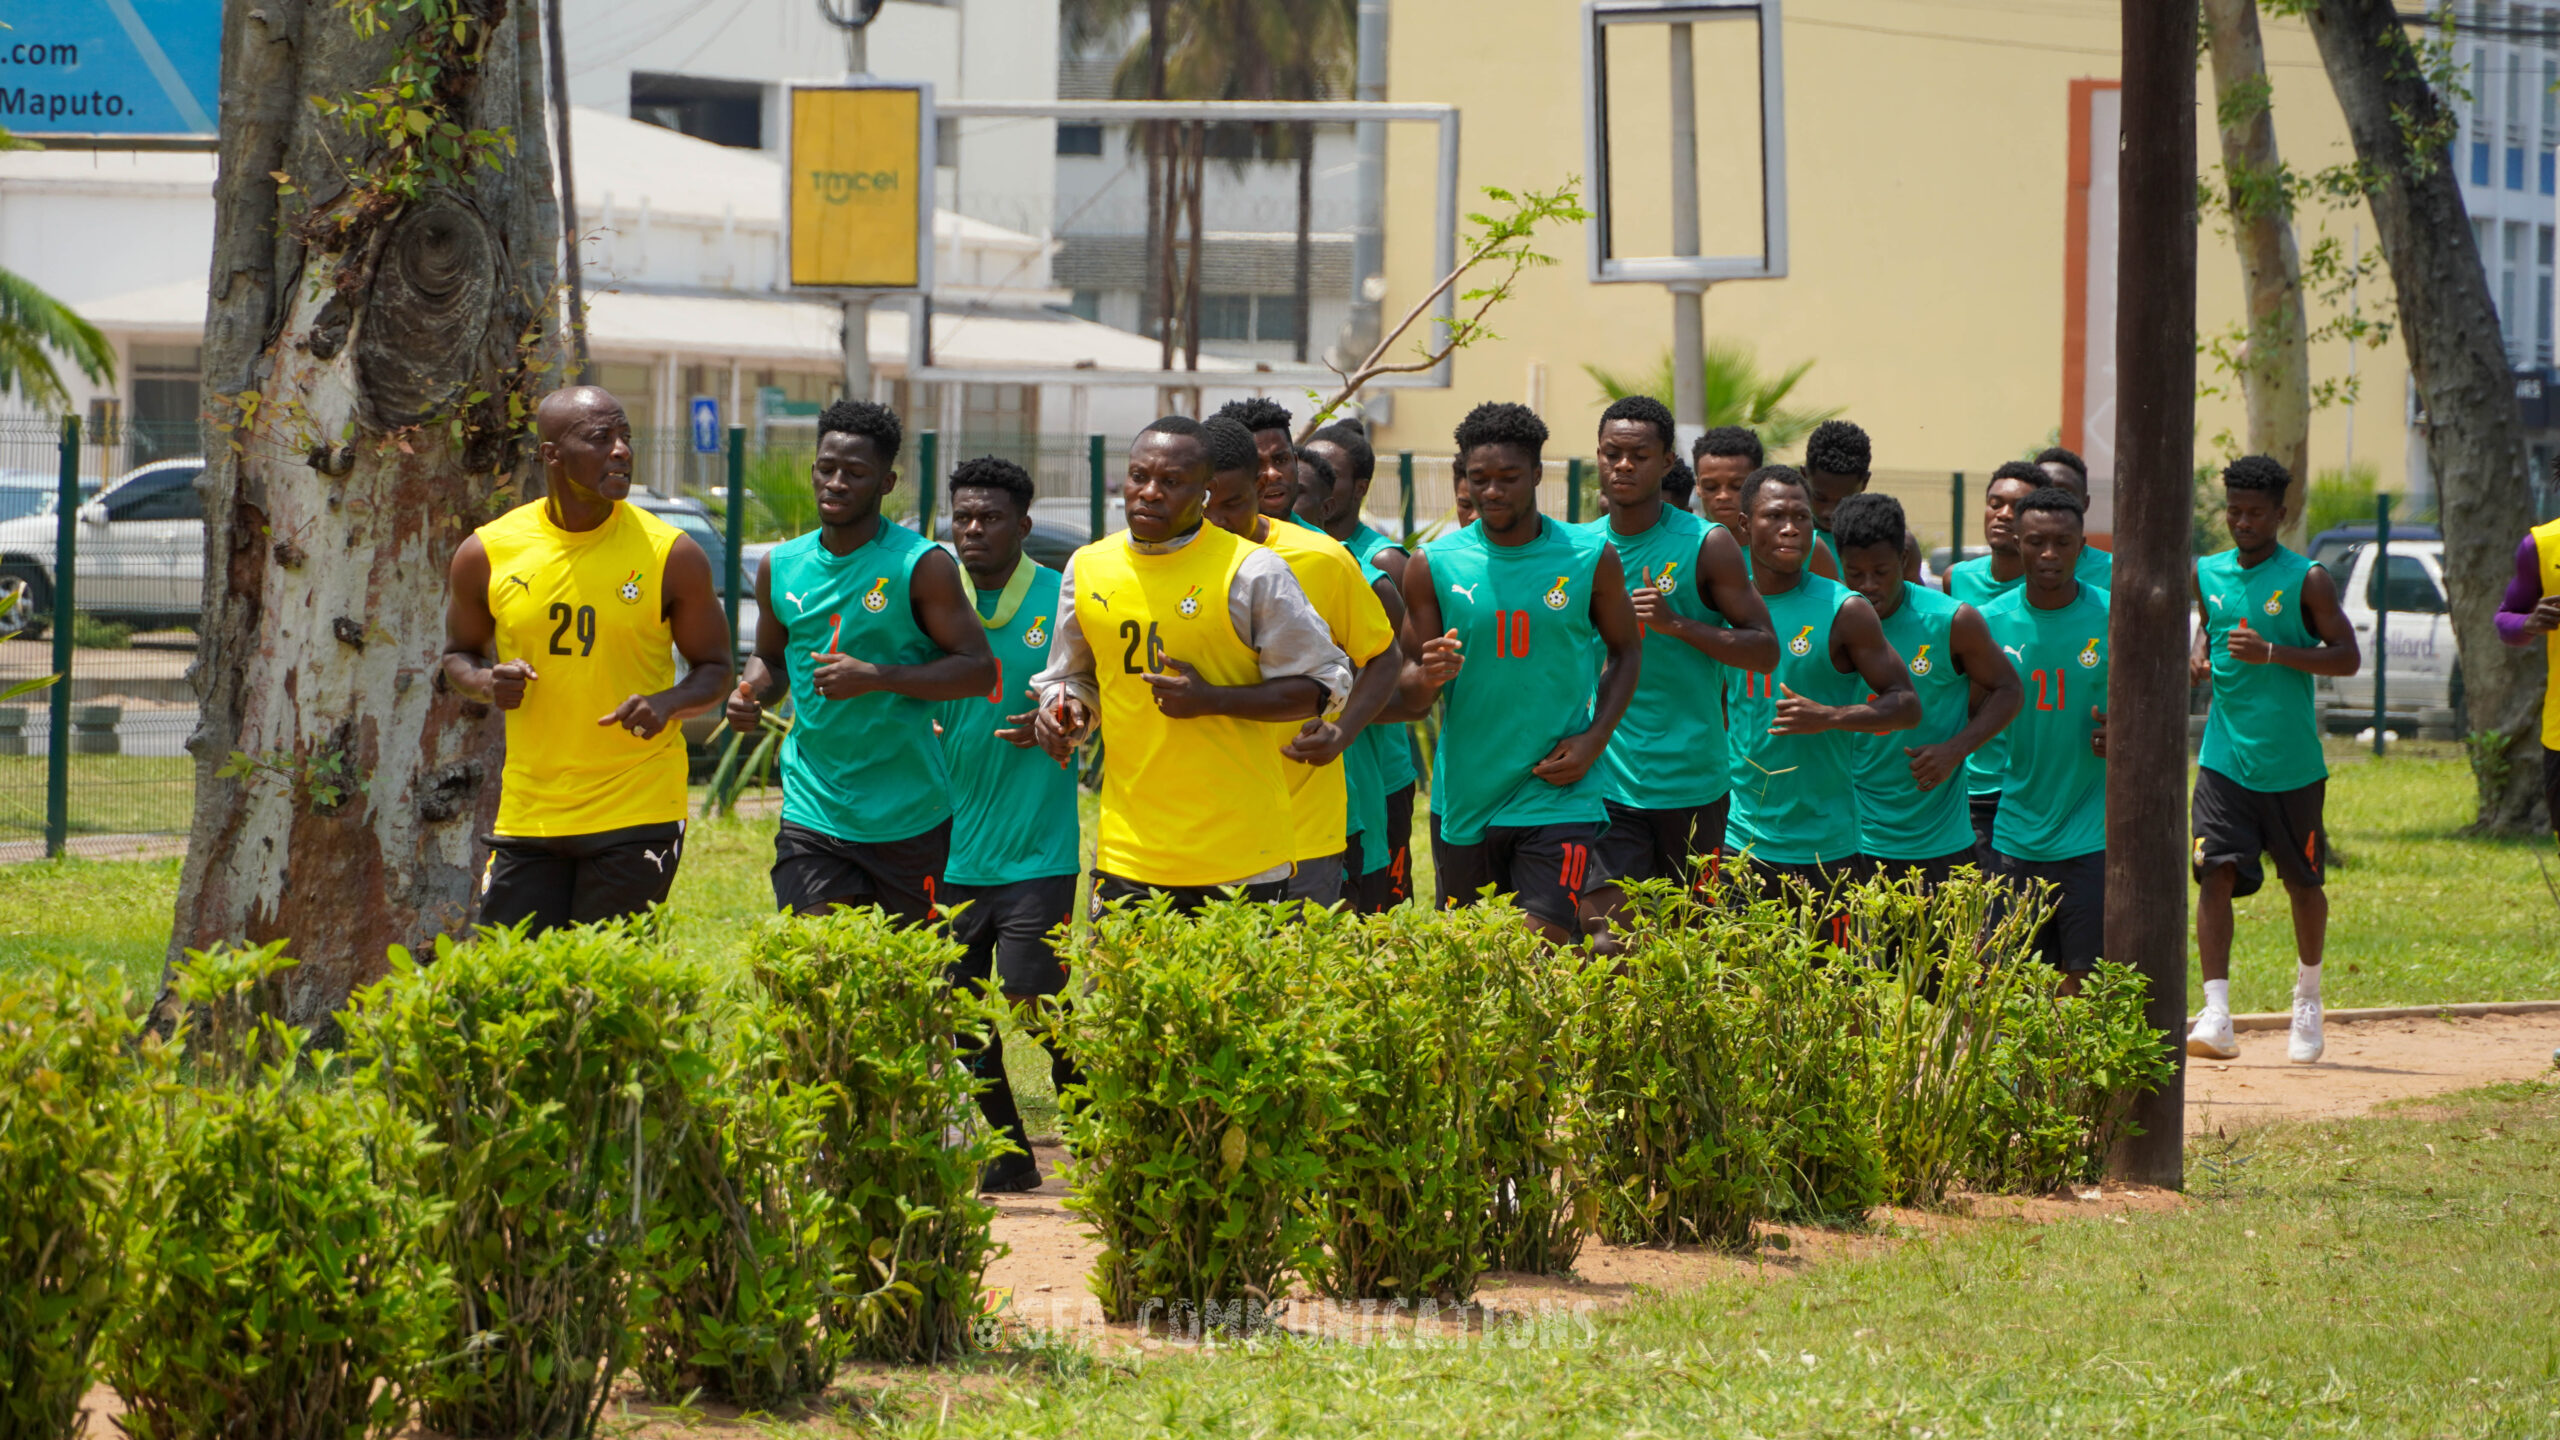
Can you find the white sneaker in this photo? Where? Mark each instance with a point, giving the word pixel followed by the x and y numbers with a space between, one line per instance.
pixel 2212 1037
pixel 2307 1042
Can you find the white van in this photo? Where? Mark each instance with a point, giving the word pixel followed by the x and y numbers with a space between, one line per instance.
pixel 2422 685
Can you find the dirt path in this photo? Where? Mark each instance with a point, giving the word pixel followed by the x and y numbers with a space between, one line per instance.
pixel 2368 1062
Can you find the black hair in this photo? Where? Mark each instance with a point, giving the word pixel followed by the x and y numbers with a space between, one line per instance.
pixel 1182 425
pixel 1679 484
pixel 2054 497
pixel 2056 455
pixel 1730 440
pixel 1256 413
pixel 993 472
pixel 1229 443
pixel 2020 470
pixel 875 423
pixel 1355 444
pixel 1498 422
pixel 1644 410
pixel 1868 519
pixel 1768 475
pixel 1838 448
pixel 2263 473
pixel 1323 468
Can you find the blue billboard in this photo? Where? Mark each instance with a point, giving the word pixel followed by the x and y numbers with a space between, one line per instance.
pixel 110 67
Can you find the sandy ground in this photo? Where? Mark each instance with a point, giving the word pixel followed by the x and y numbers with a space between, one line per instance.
pixel 1039 1284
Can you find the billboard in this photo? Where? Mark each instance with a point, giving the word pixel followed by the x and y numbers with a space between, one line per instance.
pixel 858 186
pixel 110 67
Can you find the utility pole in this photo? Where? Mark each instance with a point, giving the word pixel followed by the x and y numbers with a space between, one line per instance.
pixel 1688 297
pixel 2146 915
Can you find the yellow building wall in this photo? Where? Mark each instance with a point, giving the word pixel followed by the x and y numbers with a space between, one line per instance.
pixel 1927 170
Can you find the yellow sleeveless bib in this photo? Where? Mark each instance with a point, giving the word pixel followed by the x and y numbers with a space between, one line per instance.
pixel 1184 802
pixel 1319 800
pixel 587 610
pixel 2546 547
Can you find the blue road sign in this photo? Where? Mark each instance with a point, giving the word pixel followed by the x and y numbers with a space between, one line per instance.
pixel 110 67
pixel 706 425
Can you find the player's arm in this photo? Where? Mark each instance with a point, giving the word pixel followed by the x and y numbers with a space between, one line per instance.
pixel 2525 614
pixel 1747 640
pixel 1995 699
pixel 1857 645
pixel 1613 614
pixel 964 670
pixel 2199 652
pixel 1373 689
pixel 1432 658
pixel 768 670
pixel 2336 654
pixel 1391 560
pixel 701 631
pixel 1304 673
pixel 1391 599
pixel 1065 694
pixel 471 632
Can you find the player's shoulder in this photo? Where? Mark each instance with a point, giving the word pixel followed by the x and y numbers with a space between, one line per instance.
pixel 514 523
pixel 795 548
pixel 2004 607
pixel 1587 539
pixel 1462 541
pixel 1929 601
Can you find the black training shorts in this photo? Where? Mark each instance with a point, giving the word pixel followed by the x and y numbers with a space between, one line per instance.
pixel 814 872
pixel 1543 868
pixel 1933 872
pixel 1984 810
pixel 1187 899
pixel 2234 824
pixel 2075 934
pixel 558 880
pixel 1391 884
pixel 1659 844
pixel 1008 926
pixel 2551 784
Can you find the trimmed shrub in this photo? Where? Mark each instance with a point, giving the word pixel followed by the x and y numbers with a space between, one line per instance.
pixel 1540 1130
pixel 1214 1090
pixel 74 1097
pixel 862 1017
pixel 1407 1195
pixel 738 1273
pixel 553 1074
pixel 2064 1076
pixel 285 1288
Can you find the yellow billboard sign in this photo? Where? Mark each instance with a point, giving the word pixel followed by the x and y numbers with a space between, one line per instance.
pixel 859 191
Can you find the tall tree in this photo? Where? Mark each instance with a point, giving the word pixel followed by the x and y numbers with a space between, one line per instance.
pixel 2392 89
pixel 2275 369
pixel 379 324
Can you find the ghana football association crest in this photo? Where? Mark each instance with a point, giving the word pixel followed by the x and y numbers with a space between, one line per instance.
pixel 1663 582
pixel 1555 596
pixel 1038 635
pixel 1920 662
pixel 630 591
pixel 2089 654
pixel 2275 603
pixel 1803 643
pixel 876 599
pixel 1190 605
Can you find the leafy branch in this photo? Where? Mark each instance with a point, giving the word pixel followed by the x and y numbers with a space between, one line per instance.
pixel 322 779
pixel 410 113
pixel 1500 244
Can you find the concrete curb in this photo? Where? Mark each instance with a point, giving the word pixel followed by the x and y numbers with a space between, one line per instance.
pixel 2283 1019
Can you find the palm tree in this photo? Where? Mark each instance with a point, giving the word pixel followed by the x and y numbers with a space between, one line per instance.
pixel 1737 393
pixel 31 322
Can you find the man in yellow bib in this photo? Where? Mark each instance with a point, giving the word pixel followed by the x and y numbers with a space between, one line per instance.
pixel 1319 793
pixel 566 613
pixel 1189 645
pixel 2530 612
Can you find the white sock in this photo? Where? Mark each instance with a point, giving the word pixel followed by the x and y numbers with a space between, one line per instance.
pixel 2217 997
pixel 2306 982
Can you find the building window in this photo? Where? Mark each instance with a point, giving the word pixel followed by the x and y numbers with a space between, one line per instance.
pixel 2482 77
pixel 2542 295
pixel 946 141
pixel 2512 322
pixel 1085 305
pixel 1275 317
pixel 168 402
pixel 724 112
pixel 1079 139
pixel 1226 317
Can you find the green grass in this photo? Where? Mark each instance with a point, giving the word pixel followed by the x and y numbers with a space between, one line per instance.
pixel 2384 1276
pixel 2420 914
pixel 110 794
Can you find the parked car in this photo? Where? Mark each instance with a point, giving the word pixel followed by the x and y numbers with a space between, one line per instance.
pixel 2423 683
pixel 141 553
pixel 2330 546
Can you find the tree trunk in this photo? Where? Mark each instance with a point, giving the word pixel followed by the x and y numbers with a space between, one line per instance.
pixel 373 356
pixel 1196 181
pixel 1306 137
pixel 2275 378
pixel 2474 442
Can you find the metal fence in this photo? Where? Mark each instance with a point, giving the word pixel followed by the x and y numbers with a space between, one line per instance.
pixel 105 531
